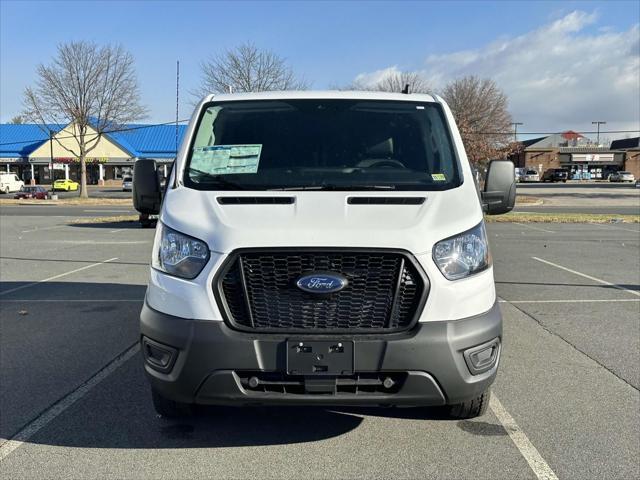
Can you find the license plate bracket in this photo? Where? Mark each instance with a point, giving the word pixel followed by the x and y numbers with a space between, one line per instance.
pixel 320 357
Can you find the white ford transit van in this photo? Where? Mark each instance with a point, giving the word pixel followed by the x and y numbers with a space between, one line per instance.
pixel 322 248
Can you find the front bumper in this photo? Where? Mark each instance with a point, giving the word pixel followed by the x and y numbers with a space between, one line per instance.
pixel 209 361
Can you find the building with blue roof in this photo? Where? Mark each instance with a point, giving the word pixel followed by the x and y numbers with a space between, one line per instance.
pixel 25 149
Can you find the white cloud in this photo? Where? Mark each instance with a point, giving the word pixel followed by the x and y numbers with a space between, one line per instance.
pixel 372 78
pixel 560 76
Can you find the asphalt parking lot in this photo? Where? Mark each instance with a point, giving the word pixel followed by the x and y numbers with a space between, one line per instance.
pixel 98 191
pixel 594 197
pixel 74 402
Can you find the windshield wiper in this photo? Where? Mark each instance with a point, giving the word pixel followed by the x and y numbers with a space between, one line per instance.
pixel 217 178
pixel 337 187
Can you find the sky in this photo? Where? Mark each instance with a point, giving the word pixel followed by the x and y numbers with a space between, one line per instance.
pixel 562 64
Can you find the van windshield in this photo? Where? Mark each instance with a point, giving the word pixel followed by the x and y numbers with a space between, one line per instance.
pixel 322 145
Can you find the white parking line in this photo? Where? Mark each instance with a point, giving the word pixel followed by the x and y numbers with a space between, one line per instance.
pixel 60 406
pixel 534 228
pixel 604 282
pixel 94 242
pixel 43 228
pixel 615 227
pixel 611 300
pixel 74 300
pixel 21 287
pixel 530 453
pixel 110 211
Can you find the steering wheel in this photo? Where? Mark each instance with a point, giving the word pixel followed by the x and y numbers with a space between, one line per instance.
pixel 380 162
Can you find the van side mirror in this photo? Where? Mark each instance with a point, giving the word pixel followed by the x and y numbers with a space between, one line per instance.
pixel 499 193
pixel 147 197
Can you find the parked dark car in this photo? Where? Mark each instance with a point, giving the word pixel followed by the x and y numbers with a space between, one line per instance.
pixel 555 175
pixel 39 193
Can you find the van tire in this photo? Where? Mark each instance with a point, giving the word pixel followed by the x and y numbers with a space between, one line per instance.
pixel 168 408
pixel 471 408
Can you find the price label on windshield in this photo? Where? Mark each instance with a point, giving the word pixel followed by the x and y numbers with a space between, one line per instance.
pixel 226 159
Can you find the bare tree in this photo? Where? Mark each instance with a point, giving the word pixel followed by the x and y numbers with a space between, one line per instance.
pixel 17 120
pixel 393 82
pixel 397 82
pixel 247 69
pixel 480 110
pixel 86 86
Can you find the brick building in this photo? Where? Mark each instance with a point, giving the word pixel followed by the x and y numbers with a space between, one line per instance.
pixel 631 149
pixel 580 156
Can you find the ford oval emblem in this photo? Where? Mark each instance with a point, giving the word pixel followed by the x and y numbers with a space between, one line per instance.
pixel 322 282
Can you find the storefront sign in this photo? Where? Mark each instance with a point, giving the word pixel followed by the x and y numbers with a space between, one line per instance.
pixel 592 157
pixel 93 160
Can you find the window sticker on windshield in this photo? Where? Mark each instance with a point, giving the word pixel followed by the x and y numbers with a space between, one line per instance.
pixel 226 159
pixel 438 177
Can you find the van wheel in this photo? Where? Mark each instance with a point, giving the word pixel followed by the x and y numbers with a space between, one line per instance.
pixel 168 408
pixel 471 408
pixel 6 191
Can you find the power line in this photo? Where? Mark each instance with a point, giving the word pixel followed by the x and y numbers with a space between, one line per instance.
pixel 173 122
pixel 550 133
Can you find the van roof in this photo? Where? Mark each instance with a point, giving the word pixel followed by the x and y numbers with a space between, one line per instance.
pixel 323 94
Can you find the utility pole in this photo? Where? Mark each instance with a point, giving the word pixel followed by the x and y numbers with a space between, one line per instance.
pixel 515 130
pixel 177 102
pixel 51 153
pixel 598 123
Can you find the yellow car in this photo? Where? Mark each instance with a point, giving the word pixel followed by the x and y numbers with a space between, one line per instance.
pixel 67 185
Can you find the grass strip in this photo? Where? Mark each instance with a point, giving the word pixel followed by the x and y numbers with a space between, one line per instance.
pixel 69 201
pixel 562 218
pixel 112 219
pixel 528 200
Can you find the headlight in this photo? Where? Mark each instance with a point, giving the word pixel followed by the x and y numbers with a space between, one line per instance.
pixel 178 254
pixel 463 255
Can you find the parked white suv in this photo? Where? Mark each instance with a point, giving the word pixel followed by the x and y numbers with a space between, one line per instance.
pixel 9 182
pixel 531 176
pixel 322 248
pixel 127 184
pixel 622 177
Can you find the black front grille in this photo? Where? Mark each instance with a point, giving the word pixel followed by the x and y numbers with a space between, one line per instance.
pixel 385 291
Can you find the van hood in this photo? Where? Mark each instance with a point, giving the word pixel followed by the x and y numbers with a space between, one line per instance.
pixel 321 218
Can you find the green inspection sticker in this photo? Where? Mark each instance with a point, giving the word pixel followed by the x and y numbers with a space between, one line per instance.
pixel 227 159
pixel 438 177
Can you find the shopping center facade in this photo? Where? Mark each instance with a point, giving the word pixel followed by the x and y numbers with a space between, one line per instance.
pixel 583 158
pixel 39 154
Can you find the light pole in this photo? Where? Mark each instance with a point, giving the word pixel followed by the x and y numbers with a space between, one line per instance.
pixel 51 153
pixel 598 123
